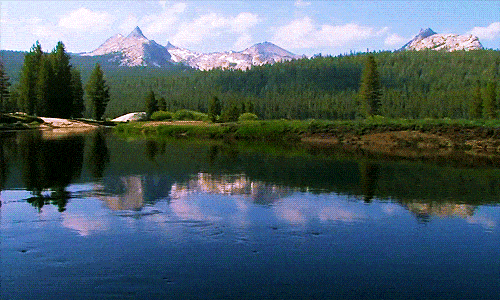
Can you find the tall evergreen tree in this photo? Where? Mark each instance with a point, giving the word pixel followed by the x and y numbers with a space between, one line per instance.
pixel 490 101
pixel 370 91
pixel 4 89
pixel 63 93
pixel 44 88
pixel 151 104
pixel 77 91
pixel 28 79
pixel 476 108
pixel 231 112
pixel 97 92
pixel 214 108
pixel 162 104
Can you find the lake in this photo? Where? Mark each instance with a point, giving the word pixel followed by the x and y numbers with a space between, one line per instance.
pixel 101 217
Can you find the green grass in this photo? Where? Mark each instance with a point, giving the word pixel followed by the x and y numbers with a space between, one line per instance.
pixel 292 130
pixel 18 121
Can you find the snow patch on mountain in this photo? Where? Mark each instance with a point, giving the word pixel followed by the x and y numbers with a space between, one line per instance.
pixel 259 54
pixel 428 39
pixel 134 50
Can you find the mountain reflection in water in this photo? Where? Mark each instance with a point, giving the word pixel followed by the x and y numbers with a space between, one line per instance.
pixel 128 176
pixel 101 217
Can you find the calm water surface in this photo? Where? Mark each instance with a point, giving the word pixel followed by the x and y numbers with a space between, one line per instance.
pixel 96 216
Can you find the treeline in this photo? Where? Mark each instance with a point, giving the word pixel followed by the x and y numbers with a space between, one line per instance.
pixel 49 85
pixel 413 84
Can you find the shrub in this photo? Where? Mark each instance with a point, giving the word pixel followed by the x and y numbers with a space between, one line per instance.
pixel 190 115
pixel 162 115
pixel 267 131
pixel 247 117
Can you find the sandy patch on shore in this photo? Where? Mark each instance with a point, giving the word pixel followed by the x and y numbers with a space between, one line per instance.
pixel 56 127
pixel 52 123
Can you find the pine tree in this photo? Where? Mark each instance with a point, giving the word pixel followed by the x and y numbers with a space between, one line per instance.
pixel 476 108
pixel 4 89
pixel 370 91
pixel 77 92
pixel 231 112
pixel 490 101
pixel 63 93
pixel 214 108
pixel 28 79
pixel 97 92
pixel 151 104
pixel 44 88
pixel 162 104
pixel 249 108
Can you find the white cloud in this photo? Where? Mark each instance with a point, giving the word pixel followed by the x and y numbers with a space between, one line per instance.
pixel 84 19
pixel 490 32
pixel 395 40
pixel 244 21
pixel 163 4
pixel 38 27
pixel 196 31
pixel 215 25
pixel 163 21
pixel 301 3
pixel 305 33
pixel 83 225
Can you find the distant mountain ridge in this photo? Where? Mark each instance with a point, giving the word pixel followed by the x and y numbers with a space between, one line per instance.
pixel 428 39
pixel 134 50
pixel 137 50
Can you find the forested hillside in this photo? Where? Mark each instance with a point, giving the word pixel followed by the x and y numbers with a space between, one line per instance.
pixel 414 85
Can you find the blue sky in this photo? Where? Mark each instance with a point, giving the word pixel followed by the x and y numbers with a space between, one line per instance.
pixel 300 26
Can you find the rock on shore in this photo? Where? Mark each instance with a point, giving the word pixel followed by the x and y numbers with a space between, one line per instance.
pixel 136 116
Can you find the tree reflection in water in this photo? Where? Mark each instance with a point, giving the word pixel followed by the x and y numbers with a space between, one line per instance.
pixel 153 149
pixel 369 176
pixel 50 164
pixel 3 167
pixel 98 156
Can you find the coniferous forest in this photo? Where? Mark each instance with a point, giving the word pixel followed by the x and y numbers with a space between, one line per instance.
pixel 423 84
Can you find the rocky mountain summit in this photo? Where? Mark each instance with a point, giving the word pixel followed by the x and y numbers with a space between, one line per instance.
pixel 137 50
pixel 134 50
pixel 428 39
pixel 258 54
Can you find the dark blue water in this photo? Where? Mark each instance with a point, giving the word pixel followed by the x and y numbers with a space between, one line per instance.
pixel 98 217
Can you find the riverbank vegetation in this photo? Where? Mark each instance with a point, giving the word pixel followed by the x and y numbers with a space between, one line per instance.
pixel 18 122
pixel 392 137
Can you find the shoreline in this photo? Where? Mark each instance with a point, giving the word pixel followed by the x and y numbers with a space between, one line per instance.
pixel 395 140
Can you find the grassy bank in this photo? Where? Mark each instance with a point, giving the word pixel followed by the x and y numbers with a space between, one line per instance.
pixel 18 122
pixel 393 137
pixel 273 130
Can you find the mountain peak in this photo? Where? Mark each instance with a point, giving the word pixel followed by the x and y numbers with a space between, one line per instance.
pixel 136 33
pixel 423 33
pixel 428 39
pixel 267 48
pixel 137 50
